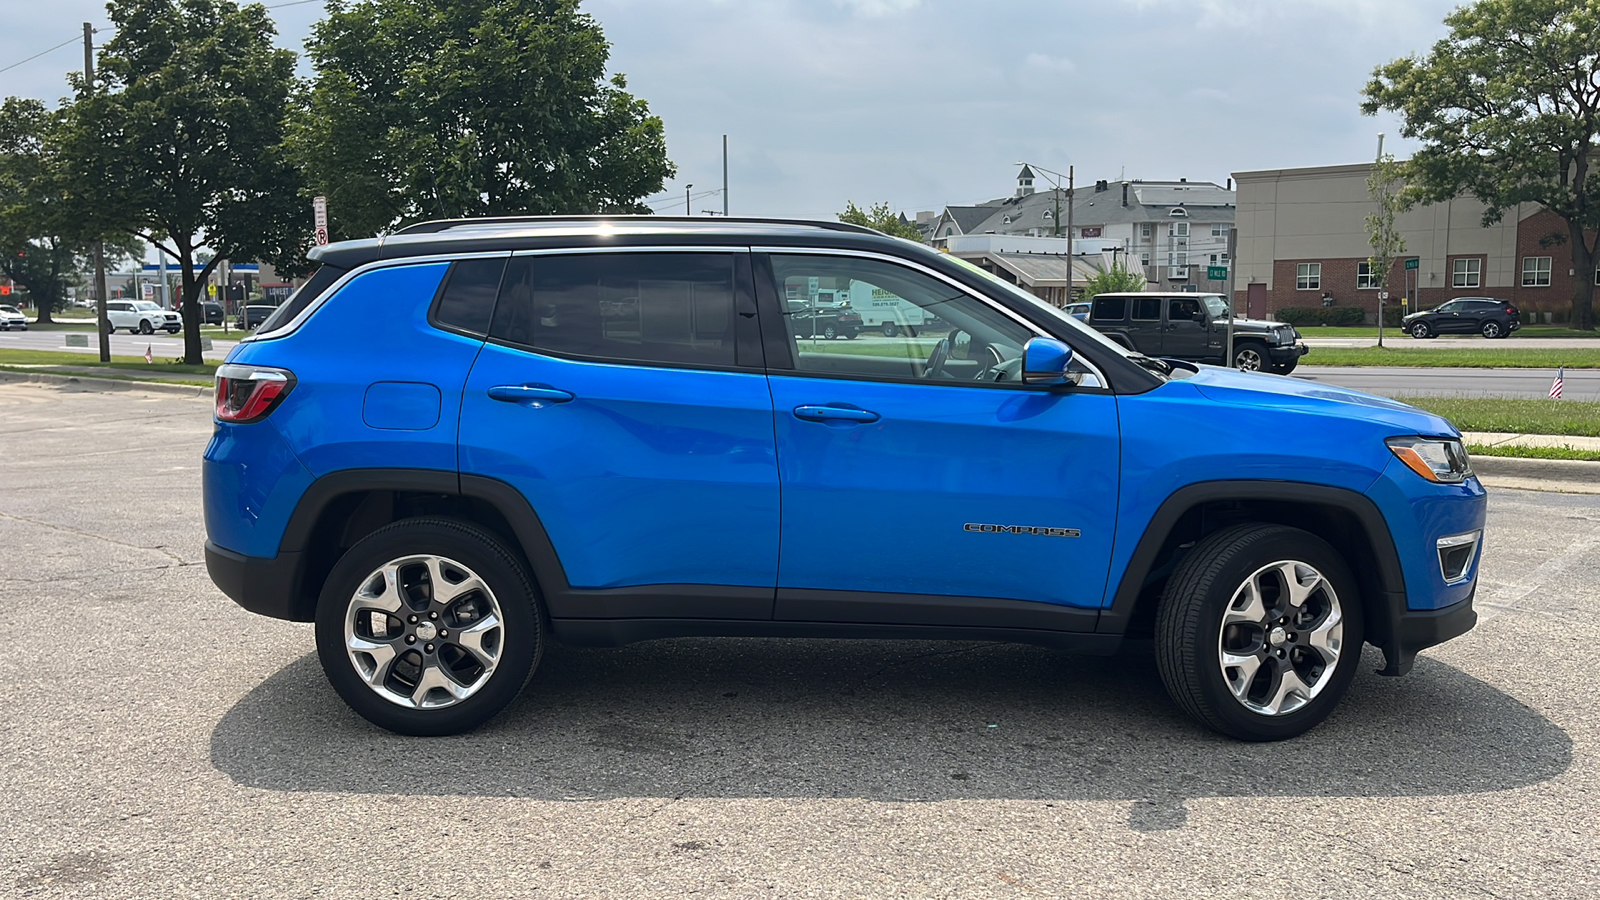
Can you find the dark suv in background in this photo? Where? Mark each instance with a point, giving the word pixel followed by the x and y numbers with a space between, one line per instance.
pixel 1465 315
pixel 1194 326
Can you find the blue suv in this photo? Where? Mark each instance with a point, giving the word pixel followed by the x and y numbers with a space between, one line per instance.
pixel 461 441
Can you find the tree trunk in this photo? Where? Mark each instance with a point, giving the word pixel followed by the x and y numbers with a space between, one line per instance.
pixel 1583 267
pixel 189 308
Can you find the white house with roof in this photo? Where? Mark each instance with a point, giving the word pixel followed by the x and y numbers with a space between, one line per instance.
pixel 1174 230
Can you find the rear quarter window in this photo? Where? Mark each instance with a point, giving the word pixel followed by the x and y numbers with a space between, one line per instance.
pixel 466 300
pixel 315 287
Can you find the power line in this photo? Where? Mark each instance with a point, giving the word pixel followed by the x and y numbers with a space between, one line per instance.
pixel 71 40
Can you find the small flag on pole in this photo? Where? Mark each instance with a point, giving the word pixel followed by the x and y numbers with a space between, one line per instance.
pixel 1555 386
pixel 149 360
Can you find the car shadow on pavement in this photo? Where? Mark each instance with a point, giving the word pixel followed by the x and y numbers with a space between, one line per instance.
pixel 893 721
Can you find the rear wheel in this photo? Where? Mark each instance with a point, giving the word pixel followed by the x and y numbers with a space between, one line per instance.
pixel 830 332
pixel 890 329
pixel 1492 329
pixel 1259 631
pixel 428 627
pixel 1420 330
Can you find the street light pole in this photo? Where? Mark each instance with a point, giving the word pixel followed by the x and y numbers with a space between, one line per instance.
pixel 103 317
pixel 686 210
pixel 1383 279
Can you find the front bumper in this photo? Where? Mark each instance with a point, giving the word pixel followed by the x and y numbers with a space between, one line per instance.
pixel 1411 630
pixel 1287 353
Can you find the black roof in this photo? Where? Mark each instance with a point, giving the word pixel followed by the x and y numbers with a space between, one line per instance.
pixel 447 236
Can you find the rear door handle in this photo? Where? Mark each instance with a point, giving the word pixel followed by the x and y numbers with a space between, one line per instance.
pixel 835 414
pixel 513 393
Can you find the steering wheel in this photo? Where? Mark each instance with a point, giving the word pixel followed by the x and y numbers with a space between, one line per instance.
pixel 934 367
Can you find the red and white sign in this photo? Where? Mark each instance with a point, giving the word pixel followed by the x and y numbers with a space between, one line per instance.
pixel 319 212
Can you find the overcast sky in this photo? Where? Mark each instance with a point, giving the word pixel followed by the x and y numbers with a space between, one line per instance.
pixel 923 103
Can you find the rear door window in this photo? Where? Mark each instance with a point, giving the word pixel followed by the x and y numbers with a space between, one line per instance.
pixel 671 308
pixel 1147 309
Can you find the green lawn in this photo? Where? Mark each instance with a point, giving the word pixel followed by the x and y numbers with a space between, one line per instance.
pixel 1534 452
pixel 133 367
pixel 1496 357
pixel 1371 331
pixel 1515 415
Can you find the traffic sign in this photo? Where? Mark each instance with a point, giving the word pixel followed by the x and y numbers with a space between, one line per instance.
pixel 1217 273
pixel 1413 264
pixel 1383 295
pixel 319 212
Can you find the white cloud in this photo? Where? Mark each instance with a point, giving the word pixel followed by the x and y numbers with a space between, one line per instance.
pixel 1056 65
pixel 873 9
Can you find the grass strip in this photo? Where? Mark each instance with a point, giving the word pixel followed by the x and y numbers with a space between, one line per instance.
pixel 1497 358
pixel 1515 415
pixel 1565 452
pixel 137 365
pixel 1371 331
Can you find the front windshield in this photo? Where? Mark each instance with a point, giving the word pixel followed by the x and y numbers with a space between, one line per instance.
pixel 146 304
pixel 1215 306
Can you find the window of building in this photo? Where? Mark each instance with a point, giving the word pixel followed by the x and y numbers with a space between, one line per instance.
pixel 635 307
pixel 1177 211
pixel 1180 229
pixel 1144 260
pixel 1144 229
pixel 1467 273
pixel 1364 279
pixel 1178 258
pixel 1048 215
pixel 1536 271
pixel 1218 259
pixel 1308 277
pixel 1219 229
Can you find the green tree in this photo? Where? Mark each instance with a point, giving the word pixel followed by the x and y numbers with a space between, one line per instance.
pixel 1386 242
pixel 1507 107
pixel 881 219
pixel 1113 280
pixel 423 110
pixel 41 242
pixel 180 141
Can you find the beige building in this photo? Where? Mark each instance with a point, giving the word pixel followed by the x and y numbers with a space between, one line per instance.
pixel 1303 242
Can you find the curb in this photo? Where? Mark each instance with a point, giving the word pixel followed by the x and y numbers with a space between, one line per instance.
pixel 104 385
pixel 1569 476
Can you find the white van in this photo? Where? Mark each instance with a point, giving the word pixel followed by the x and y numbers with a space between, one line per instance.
pixel 879 309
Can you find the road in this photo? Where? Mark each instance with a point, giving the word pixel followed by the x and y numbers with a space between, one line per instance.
pixel 1397 381
pixel 160 742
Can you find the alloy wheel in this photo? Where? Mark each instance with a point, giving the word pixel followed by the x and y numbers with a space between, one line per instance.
pixel 1281 638
pixel 424 632
pixel 1247 359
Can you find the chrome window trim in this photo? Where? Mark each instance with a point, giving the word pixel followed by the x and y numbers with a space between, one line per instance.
pixel 290 326
pixel 1099 378
pixel 638 248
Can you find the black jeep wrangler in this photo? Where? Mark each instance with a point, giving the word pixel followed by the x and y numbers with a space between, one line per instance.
pixel 1195 327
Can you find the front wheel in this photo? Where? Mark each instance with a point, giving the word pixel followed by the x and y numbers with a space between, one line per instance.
pixel 1248 357
pixel 428 627
pixel 145 327
pixel 1259 631
pixel 1285 368
pixel 1420 331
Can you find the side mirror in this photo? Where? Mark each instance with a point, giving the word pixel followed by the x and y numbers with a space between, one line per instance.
pixel 1045 361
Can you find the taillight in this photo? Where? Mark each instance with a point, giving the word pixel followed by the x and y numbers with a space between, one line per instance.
pixel 248 393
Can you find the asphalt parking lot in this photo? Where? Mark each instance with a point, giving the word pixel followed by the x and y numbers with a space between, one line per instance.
pixel 160 742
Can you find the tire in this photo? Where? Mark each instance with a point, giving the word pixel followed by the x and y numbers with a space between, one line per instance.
pixel 852 335
pixel 1492 330
pixel 1206 611
pixel 1285 368
pixel 173 330
pixel 145 327
pixel 829 332
pixel 110 328
pixel 1420 330
pixel 890 329
pixel 1249 356
pixel 432 683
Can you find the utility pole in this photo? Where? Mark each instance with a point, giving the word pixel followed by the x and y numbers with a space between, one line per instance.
pixel 724 175
pixel 1070 170
pixel 103 317
pixel 687 210
pixel 1383 280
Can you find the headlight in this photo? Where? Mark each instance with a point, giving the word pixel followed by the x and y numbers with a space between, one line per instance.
pixel 1440 460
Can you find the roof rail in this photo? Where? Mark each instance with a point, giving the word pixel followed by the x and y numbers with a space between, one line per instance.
pixel 437 225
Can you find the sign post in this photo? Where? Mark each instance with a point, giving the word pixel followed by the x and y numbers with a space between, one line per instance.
pixel 319 213
pixel 1382 296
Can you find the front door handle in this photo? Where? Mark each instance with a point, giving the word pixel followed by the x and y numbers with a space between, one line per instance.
pixel 513 393
pixel 835 414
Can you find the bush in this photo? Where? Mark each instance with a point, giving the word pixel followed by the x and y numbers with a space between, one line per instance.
pixel 1321 315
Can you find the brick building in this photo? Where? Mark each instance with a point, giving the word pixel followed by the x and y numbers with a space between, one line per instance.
pixel 1303 242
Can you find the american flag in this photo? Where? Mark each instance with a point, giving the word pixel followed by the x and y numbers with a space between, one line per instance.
pixel 1555 386
pixel 149 360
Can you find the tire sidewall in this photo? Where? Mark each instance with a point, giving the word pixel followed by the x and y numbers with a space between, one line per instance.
pixel 1285 544
pixel 523 640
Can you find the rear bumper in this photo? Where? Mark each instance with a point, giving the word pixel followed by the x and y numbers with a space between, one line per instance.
pixel 267 587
